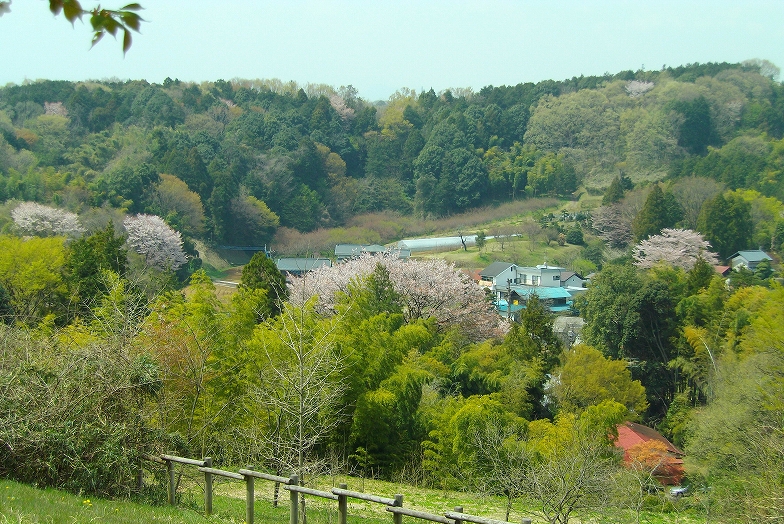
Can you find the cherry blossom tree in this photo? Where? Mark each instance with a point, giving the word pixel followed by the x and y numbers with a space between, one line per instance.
pixel 39 220
pixel 637 88
pixel 427 288
pixel 339 105
pixel 613 225
pixel 678 247
pixel 151 237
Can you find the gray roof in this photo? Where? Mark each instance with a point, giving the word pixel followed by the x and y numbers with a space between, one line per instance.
pixel 301 265
pixel 566 275
pixel 495 269
pixel 348 250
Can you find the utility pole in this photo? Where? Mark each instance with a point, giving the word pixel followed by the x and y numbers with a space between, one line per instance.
pixel 508 299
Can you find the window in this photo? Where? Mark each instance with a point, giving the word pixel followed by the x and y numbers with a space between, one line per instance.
pixel 535 280
pixel 556 277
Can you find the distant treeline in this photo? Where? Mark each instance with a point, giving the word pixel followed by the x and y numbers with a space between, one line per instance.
pixel 267 154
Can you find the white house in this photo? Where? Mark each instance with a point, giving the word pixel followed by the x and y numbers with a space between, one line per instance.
pixel 498 274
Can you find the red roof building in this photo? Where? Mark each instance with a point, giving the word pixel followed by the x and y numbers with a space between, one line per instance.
pixel 645 447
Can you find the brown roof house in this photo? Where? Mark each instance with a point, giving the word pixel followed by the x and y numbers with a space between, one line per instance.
pixel 646 449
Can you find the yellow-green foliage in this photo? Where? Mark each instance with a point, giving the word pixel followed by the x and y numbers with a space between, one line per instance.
pixel 31 272
pixel 588 378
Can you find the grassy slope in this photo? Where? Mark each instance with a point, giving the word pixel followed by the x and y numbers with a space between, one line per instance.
pixel 21 504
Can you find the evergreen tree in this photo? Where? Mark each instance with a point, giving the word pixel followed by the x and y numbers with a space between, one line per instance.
pixel 481 240
pixel 699 276
pixel 653 216
pixel 674 212
pixel 614 193
pixel 726 223
pixel 575 236
pixel 261 273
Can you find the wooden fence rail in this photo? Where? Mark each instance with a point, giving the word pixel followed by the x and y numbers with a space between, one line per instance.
pixel 340 494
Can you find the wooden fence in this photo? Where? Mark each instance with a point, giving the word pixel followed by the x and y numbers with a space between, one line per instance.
pixel 340 494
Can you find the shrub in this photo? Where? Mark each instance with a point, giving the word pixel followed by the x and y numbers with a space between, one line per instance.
pixel 71 417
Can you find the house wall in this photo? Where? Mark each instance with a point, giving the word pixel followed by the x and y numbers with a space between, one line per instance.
pixel 500 280
pixel 537 276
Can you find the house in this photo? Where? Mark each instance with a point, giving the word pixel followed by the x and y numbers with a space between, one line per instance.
pixel 512 286
pixel 299 266
pixel 572 279
pixel 667 467
pixel 748 259
pixel 498 274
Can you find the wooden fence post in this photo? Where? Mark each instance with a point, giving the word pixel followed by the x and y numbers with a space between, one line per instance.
pixel 208 487
pixel 294 501
pixel 172 485
pixel 397 518
pixel 458 509
pixel 249 499
pixel 342 505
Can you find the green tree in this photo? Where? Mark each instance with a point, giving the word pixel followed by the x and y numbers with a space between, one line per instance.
pixel 614 192
pixel 481 240
pixel 87 258
pixel 573 461
pixel 537 333
pixel 653 216
pixel 31 271
pixel 726 223
pixel 699 276
pixel 697 130
pixel 6 309
pixel 586 378
pixel 630 316
pixel 574 235
pixel 179 206
pixel 262 274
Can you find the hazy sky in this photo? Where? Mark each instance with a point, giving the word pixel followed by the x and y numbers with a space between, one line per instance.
pixel 379 46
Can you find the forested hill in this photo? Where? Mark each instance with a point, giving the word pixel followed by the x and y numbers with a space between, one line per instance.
pixel 268 154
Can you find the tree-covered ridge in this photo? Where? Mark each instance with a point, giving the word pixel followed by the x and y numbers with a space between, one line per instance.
pixel 269 154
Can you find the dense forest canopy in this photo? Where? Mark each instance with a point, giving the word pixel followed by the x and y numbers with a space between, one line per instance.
pixel 270 155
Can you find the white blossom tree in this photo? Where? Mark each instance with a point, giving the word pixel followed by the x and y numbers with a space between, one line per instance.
pixel 39 220
pixel 636 88
pixel 339 105
pixel 678 247
pixel 428 288
pixel 151 237
pixel 613 225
